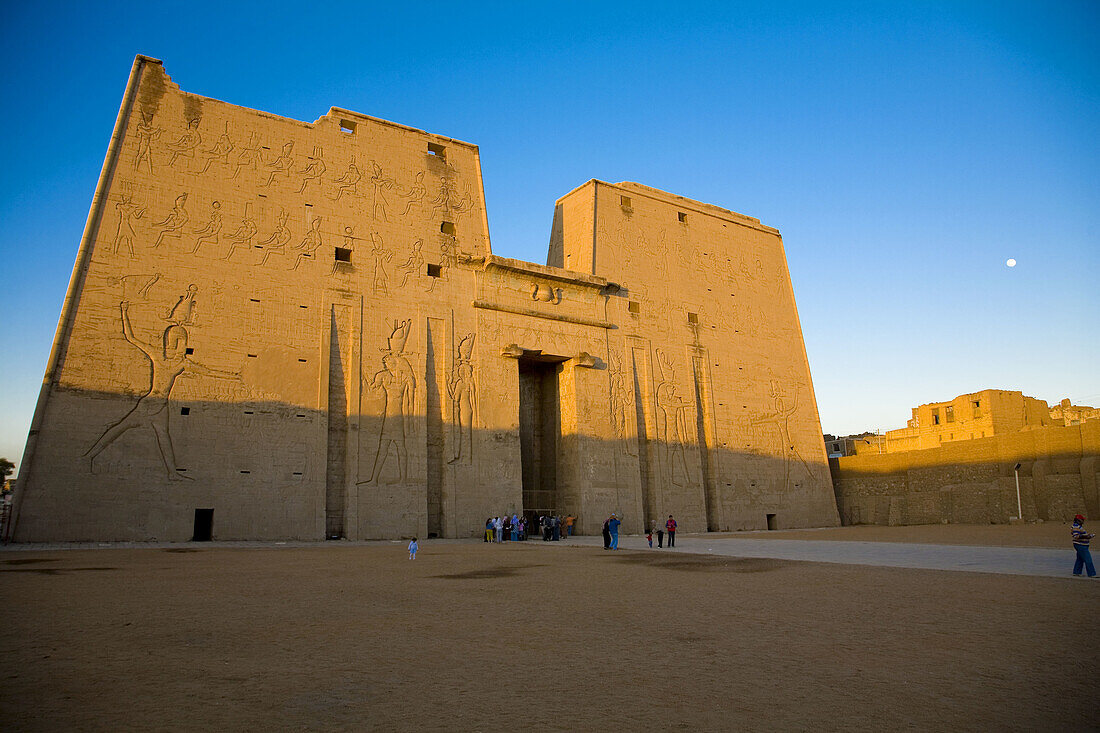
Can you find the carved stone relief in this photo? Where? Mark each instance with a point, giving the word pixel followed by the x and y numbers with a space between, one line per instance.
pixel 128 213
pixel 244 234
pixel 218 152
pixel 309 244
pixel 463 393
pixel 381 255
pixel 672 422
pixel 396 382
pixel 184 146
pixel 172 225
pixel 168 360
pixel 276 243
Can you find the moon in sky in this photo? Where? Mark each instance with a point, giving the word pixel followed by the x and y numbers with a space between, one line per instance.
pixel 1011 262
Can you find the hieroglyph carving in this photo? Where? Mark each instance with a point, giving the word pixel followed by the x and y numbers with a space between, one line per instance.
pixel 414 264
pixel 671 425
pixel 415 194
pixel 447 202
pixel 172 225
pixel 210 232
pixel 314 169
pixel 219 152
pixel 380 183
pixel 463 393
pixel 184 146
pixel 779 421
pixel 620 403
pixel 247 156
pixel 168 361
pixel 381 256
pixel 348 182
pixel 309 243
pixel 147 133
pixel 244 234
pixel 397 383
pixel 128 212
pixel 276 243
pixel 282 165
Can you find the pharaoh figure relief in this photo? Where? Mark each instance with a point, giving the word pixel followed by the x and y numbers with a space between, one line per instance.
pixel 671 425
pixel 168 360
pixel 396 382
pixel 462 391
pixel 779 422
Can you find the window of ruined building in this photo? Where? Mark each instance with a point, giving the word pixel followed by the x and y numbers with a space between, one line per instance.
pixel 347 126
pixel 447 228
pixel 949 413
pixel 693 318
pixel 936 416
pixel 342 255
pixel 435 270
pixel 189 350
pixel 634 307
pixel 437 150
pixel 977 405
pixel 185 410
pixel 624 201
pixel 682 217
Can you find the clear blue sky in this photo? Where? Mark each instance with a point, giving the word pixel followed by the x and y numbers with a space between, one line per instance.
pixel 904 150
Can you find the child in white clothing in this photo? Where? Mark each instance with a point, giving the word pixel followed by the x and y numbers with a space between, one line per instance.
pixel 412 549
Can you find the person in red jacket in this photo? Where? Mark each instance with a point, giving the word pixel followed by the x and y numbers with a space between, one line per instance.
pixel 670 527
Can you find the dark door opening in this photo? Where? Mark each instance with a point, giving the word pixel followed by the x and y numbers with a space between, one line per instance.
pixel 204 525
pixel 539 435
pixel 772 524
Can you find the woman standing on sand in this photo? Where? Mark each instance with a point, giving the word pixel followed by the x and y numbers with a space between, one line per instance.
pixel 607 533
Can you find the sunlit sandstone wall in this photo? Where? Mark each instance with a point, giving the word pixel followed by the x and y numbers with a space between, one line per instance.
pixel 973 480
pixel 302 327
pixel 708 364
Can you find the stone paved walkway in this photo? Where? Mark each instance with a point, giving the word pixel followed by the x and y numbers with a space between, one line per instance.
pixel 1001 560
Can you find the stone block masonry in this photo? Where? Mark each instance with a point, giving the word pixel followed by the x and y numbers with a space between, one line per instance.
pixel 288 330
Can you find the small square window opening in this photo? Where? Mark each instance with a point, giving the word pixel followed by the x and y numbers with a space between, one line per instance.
pixel 189 350
pixel 185 410
pixel 447 228
pixel 682 217
pixel 693 317
pixel 634 306
pixel 624 201
pixel 434 270
pixel 347 126
pixel 342 255
pixel 438 151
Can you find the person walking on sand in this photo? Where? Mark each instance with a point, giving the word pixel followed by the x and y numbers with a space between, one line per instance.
pixel 660 534
pixel 607 534
pixel 569 525
pixel 489 529
pixel 412 549
pixel 1081 545
pixel 613 527
pixel 670 526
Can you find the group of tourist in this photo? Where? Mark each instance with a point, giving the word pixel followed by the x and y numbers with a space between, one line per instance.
pixel 500 529
pixel 516 528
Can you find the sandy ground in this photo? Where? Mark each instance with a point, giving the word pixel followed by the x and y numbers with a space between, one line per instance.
pixel 1043 534
pixel 532 636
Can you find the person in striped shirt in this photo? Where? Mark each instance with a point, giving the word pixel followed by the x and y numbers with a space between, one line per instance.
pixel 1081 545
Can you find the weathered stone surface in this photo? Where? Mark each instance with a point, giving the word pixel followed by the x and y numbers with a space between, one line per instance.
pixel 302 328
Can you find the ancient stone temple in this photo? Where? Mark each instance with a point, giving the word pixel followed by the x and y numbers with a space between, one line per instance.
pixel 288 330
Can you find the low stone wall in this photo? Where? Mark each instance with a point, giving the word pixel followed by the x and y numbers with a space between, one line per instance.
pixel 973 482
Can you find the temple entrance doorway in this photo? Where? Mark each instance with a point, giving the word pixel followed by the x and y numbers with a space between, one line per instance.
pixel 539 434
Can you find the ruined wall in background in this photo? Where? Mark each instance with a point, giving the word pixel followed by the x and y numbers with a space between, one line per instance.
pixel 973 481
